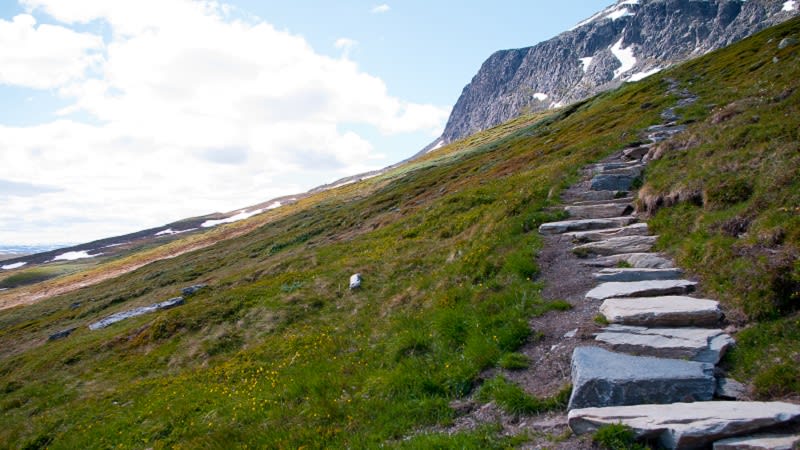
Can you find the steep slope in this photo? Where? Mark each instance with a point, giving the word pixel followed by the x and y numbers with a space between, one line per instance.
pixel 625 42
pixel 277 352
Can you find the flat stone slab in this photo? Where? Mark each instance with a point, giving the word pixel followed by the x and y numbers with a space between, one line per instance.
pixel 617 245
pixel 649 288
pixel 602 378
pixel 636 229
pixel 585 224
pixel 617 274
pixel 625 200
pixel 687 425
pixel 636 152
pixel 760 442
pixel 601 211
pixel 597 195
pixel 612 182
pixel 696 344
pixel 117 317
pixel 636 260
pixel 666 311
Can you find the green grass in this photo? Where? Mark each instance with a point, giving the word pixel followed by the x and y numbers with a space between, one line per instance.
pixel 514 361
pixel 512 399
pixel 25 277
pixel 616 437
pixel 279 353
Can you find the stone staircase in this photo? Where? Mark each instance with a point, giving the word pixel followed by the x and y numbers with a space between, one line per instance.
pixel 653 366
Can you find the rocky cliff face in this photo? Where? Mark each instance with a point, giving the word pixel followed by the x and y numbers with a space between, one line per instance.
pixel 625 42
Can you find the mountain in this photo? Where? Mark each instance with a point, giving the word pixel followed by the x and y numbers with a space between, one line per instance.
pixel 625 42
pixel 276 351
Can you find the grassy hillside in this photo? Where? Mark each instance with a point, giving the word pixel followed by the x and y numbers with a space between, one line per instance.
pixel 278 352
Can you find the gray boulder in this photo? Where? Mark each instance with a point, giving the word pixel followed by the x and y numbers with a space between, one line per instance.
pixel 117 317
pixel 191 290
pixel 61 334
pixel 760 442
pixel 612 182
pixel 602 378
pixel 687 425
pixel 730 389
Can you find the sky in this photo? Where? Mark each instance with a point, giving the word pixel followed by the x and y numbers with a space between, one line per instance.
pixel 119 116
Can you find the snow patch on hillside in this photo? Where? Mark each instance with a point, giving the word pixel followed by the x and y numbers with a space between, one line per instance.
pixel 540 96
pixel 614 15
pixel 642 75
pixel 791 5
pixel 170 231
pixel 439 144
pixel 72 256
pixel 243 214
pixel 625 57
pixel 16 265
pixel 586 63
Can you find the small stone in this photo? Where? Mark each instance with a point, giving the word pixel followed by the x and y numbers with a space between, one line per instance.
pixel 571 334
pixel 760 442
pixel 667 311
pixel 61 334
pixel 191 290
pixel 602 378
pixel 785 42
pixel 730 389
pixel 687 425
pixel 649 288
pixel 355 281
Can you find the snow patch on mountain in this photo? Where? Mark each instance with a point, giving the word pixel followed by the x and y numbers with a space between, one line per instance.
pixel 72 256
pixel 439 144
pixel 614 15
pixel 540 96
pixel 642 75
pixel 586 62
pixel 791 5
pixel 16 265
pixel 243 214
pixel 625 57
pixel 170 231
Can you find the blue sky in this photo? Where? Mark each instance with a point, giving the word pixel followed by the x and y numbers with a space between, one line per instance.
pixel 122 115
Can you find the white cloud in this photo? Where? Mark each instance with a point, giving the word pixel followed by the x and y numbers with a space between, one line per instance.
pixel 345 45
pixel 46 56
pixel 380 9
pixel 194 112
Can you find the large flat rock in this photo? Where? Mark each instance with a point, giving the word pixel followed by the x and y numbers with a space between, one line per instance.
pixel 585 224
pixel 612 182
pixel 687 425
pixel 600 211
pixel 760 442
pixel 628 275
pixel 696 344
pixel 665 311
pixel 625 199
pixel 598 195
pixel 603 378
pixel 122 315
pixel 617 245
pixel 650 288
pixel 636 260
pixel 636 229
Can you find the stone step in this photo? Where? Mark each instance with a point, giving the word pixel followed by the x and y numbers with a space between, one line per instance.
pixel 687 425
pixel 625 200
pixel 636 229
pixel 628 275
pixel 601 211
pixel 636 152
pixel 599 195
pixel 650 288
pixel 585 224
pixel 602 167
pixel 666 311
pixel 760 442
pixel 617 245
pixel 633 170
pixel 635 260
pixel 603 378
pixel 696 344
pixel 613 182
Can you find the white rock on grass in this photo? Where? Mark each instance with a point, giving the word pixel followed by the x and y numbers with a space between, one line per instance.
pixel 637 260
pixel 687 425
pixel 628 275
pixel 760 442
pixel 665 311
pixel 617 245
pixel 355 281
pixel 637 229
pixel 604 378
pixel 650 288
pixel 585 224
pixel 696 344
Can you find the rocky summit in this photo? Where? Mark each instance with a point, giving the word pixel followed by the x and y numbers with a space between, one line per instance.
pixel 625 42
